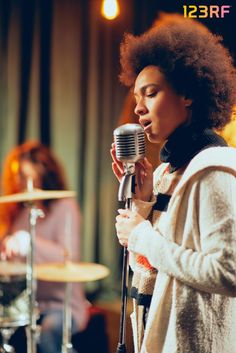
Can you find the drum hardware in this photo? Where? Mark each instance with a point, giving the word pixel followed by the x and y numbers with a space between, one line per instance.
pixel 37 195
pixel 67 320
pixel 13 308
pixel 7 332
pixel 69 272
pixel 30 195
pixel 31 282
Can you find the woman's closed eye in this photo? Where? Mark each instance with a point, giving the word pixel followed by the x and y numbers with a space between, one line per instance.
pixel 151 94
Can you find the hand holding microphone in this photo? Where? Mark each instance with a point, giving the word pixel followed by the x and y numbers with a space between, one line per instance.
pixel 128 154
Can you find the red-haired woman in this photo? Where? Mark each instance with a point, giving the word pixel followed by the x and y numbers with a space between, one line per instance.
pixel 35 161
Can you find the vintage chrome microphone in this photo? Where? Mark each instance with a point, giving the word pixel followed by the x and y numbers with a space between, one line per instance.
pixel 130 148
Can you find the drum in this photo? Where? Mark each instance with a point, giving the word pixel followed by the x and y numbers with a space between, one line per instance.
pixel 14 301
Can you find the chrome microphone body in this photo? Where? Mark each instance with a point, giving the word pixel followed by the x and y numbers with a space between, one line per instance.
pixel 130 143
pixel 130 148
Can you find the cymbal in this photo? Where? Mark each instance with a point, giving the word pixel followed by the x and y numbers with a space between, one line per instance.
pixel 8 269
pixel 37 194
pixel 71 272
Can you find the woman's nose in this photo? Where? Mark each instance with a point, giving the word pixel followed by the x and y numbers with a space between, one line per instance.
pixel 140 108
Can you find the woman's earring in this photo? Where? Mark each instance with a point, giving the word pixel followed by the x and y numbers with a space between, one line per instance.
pixel 188 102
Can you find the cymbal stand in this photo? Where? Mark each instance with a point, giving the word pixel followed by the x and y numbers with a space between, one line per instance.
pixel 31 282
pixel 67 320
pixel 67 316
pixel 125 194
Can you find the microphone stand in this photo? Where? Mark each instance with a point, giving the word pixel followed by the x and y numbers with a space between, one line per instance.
pixel 32 330
pixel 125 194
pixel 31 282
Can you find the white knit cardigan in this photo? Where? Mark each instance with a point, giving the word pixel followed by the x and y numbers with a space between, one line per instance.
pixel 193 246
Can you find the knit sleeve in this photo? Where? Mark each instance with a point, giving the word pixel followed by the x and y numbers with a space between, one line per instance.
pixel 143 207
pixel 210 266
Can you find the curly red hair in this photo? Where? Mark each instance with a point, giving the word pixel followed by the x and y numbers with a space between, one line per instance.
pixel 47 167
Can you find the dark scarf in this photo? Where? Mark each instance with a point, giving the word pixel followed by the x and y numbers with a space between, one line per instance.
pixel 184 143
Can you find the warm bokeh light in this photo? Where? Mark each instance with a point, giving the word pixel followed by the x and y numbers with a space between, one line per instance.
pixel 110 9
pixel 229 132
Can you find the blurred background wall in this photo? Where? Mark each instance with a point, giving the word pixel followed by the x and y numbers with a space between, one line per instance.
pixel 59 65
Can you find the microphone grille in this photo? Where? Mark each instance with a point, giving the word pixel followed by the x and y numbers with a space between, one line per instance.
pixel 130 143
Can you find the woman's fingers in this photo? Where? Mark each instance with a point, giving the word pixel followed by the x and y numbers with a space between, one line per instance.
pixel 146 166
pixel 126 221
pixel 144 180
pixel 116 171
pixel 125 212
pixel 143 175
pixel 117 166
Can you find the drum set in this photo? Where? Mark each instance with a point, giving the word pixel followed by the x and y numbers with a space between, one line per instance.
pixel 18 281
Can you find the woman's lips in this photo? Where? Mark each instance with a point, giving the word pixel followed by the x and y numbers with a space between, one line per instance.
pixel 147 128
pixel 145 123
